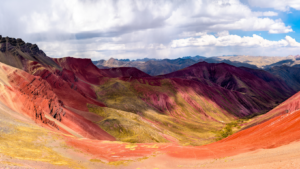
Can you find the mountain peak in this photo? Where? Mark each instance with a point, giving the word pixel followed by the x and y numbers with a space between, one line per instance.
pixel 15 52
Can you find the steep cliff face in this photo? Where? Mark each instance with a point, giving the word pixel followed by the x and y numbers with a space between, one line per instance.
pixel 40 99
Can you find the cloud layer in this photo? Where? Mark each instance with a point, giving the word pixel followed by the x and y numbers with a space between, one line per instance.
pixel 225 39
pixel 137 28
pixel 282 5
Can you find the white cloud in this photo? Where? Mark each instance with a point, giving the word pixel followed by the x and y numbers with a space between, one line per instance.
pixel 132 28
pixel 292 42
pixel 206 44
pixel 234 40
pixel 189 34
pixel 111 18
pixel 282 5
pixel 259 24
pixel 268 13
pixel 222 33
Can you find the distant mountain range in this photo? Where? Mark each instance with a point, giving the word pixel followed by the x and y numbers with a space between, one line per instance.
pixel 259 61
pixel 156 67
pixel 262 62
pixel 149 66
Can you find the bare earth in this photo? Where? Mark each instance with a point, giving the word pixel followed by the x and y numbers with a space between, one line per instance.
pixel 283 157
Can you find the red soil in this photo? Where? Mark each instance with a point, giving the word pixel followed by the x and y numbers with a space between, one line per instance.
pixel 276 132
pixel 65 82
pixel 34 97
pixel 290 105
pixel 87 71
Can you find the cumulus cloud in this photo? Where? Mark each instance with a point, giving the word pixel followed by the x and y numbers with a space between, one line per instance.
pixel 130 28
pixel 88 19
pixel 258 24
pixel 292 42
pixel 234 40
pixel 268 13
pixel 282 5
pixel 189 34
pixel 222 33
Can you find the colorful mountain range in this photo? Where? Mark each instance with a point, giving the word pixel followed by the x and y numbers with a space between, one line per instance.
pixel 66 112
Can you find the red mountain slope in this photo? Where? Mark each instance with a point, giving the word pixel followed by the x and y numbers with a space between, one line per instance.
pixel 264 88
pixel 34 97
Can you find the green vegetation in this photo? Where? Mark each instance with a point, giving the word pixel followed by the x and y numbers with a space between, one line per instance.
pixel 141 113
pixel 126 126
pixel 229 129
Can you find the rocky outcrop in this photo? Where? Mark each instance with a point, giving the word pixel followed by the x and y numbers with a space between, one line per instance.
pixel 37 98
pixel 15 52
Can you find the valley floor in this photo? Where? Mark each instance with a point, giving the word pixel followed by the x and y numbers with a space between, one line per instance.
pixel 287 156
pixel 283 157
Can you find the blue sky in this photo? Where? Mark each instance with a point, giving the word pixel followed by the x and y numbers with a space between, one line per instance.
pixel 291 18
pixel 101 29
